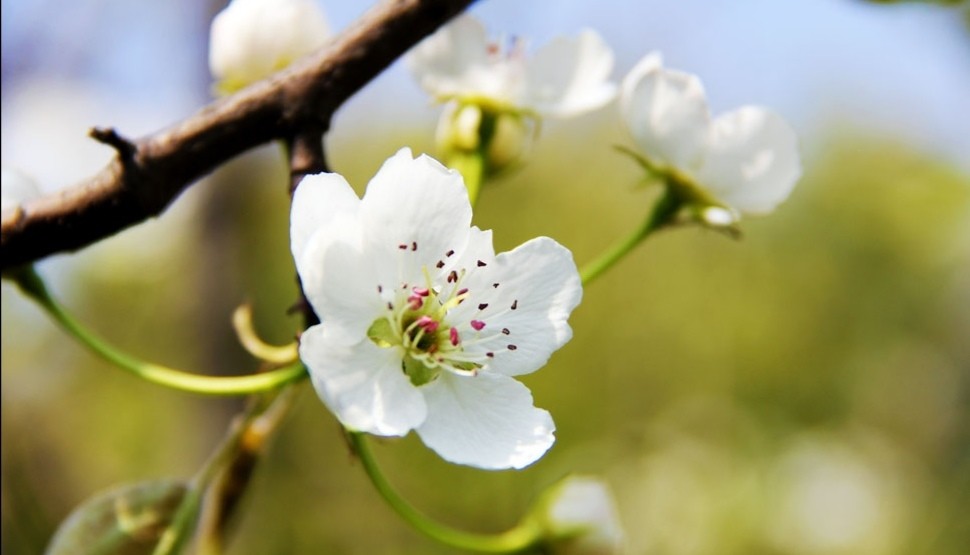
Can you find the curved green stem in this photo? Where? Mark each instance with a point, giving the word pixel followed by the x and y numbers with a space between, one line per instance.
pixel 667 206
pixel 34 287
pixel 242 322
pixel 516 540
pixel 471 165
pixel 260 418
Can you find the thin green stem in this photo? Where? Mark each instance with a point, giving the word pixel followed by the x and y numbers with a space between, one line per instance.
pixel 667 206
pixel 34 287
pixel 471 166
pixel 242 322
pixel 516 540
pixel 186 517
pixel 180 530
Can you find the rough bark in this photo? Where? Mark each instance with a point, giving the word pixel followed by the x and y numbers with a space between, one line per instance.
pixel 148 173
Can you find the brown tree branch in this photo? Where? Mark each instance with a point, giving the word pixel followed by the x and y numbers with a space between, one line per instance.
pixel 152 171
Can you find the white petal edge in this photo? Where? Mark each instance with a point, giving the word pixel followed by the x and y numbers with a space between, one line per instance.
pixel 570 75
pixel 666 112
pixel 340 280
pixel 540 278
pixel 362 384
pixel 487 421
pixel 443 61
pixel 479 248
pixel 316 202
pixel 751 162
pixel 250 39
pixel 419 204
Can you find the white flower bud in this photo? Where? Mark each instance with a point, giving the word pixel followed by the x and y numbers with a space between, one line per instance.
pixel 458 128
pixel 511 142
pixel 580 518
pixel 251 39
pixel 716 216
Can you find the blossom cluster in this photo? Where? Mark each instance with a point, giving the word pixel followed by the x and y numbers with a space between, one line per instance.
pixel 423 326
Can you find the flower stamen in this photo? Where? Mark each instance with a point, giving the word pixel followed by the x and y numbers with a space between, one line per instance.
pixel 417 323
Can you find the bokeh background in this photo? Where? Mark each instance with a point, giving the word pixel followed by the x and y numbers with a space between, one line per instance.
pixel 805 390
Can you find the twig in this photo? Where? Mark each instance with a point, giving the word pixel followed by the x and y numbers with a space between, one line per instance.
pixel 306 156
pixel 107 135
pixel 142 182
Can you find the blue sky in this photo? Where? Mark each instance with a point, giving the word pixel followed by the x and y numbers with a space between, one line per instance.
pixel 895 70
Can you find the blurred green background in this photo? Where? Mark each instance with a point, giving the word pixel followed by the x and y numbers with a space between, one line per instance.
pixel 805 390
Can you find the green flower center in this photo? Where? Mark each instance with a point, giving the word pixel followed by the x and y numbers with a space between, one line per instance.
pixel 416 323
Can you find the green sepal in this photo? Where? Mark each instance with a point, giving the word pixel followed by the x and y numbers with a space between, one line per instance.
pixel 381 332
pixel 418 373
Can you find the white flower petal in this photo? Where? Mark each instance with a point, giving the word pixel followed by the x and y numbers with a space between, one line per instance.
pixel 340 281
pixel 251 39
pixel 316 202
pixel 570 76
pixel 487 421
pixel 584 503
pixel 362 384
pixel 567 77
pixel 414 212
pixel 478 249
pixel 666 112
pixel 448 60
pixel 751 162
pixel 539 278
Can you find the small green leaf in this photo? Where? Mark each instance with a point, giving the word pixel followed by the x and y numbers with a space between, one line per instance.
pixel 126 520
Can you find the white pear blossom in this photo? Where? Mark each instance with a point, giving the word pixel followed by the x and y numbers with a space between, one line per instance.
pixel 580 518
pixel 251 39
pixel 495 92
pixel 423 326
pixel 567 77
pixel 742 162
